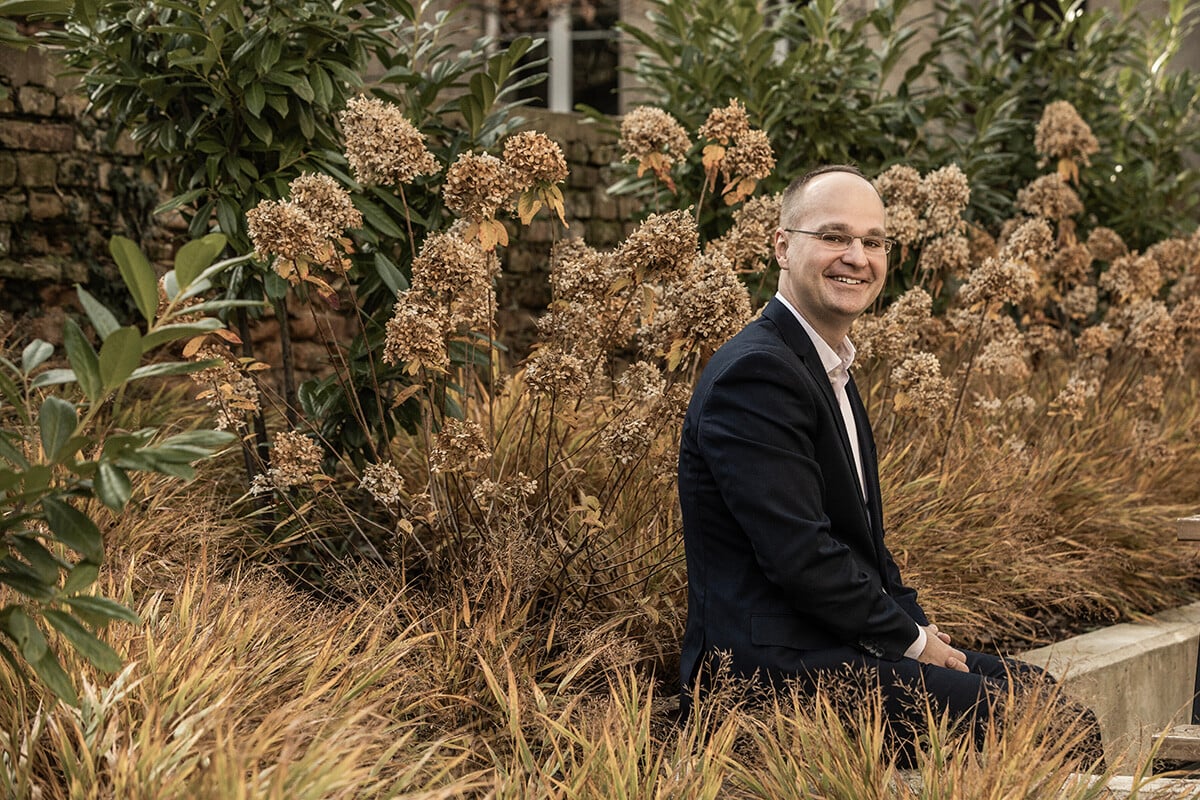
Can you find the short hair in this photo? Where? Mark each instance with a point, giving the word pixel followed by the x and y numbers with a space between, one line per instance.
pixel 797 186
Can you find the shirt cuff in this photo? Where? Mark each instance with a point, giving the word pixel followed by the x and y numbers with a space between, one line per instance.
pixel 916 648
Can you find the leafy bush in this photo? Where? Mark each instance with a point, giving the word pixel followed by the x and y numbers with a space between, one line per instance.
pixel 819 79
pixel 56 456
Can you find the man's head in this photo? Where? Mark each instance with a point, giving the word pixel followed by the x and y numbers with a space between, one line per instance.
pixel 829 282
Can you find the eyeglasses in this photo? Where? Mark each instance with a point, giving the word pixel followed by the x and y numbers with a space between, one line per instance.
pixel 872 245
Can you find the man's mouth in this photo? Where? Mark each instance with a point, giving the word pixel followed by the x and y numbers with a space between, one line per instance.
pixel 845 280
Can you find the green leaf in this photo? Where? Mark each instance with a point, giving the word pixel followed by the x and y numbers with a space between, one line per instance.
pixel 101 608
pixel 137 273
pixel 180 200
pixel 27 583
pixel 256 98
pixel 102 319
pixel 24 632
pixel 83 359
pixel 119 356
pixel 81 576
pixel 208 439
pixel 57 420
pixel 389 273
pixel 103 657
pixel 35 354
pixel 112 485
pixel 53 377
pixel 43 563
pixel 180 330
pixel 14 396
pixel 196 256
pixel 74 529
pixel 170 368
pixel 52 674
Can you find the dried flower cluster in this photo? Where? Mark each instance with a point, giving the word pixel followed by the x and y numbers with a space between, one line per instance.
pixel 725 124
pixel 415 335
pixel 1051 197
pixel 626 439
pixel 1062 133
pixel 928 212
pixel 477 185
pixel 295 461
pixel 459 446
pixel 748 244
pixel 661 249
pixel 655 140
pixel 228 387
pixel 895 330
pixel 557 373
pixel 382 146
pixel 699 315
pixel 920 387
pixel 383 482
pixel 534 159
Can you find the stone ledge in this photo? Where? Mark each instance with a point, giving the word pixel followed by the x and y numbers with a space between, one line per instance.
pixel 1139 677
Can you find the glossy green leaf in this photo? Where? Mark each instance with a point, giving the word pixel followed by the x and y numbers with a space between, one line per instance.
pixel 52 674
pixel 84 361
pixel 21 628
pixel 84 641
pixel 101 608
pixel 53 377
pixel 196 256
pixel 179 330
pixel 74 529
pixel 101 318
pixel 119 356
pixel 57 420
pixel 112 485
pixel 43 563
pixel 81 576
pixel 137 273
pixel 170 368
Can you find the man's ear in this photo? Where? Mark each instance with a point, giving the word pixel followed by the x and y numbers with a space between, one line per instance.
pixel 781 245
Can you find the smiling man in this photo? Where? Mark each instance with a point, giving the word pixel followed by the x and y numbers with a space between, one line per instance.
pixel 788 573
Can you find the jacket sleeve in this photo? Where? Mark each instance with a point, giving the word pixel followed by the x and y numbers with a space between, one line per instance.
pixel 757 430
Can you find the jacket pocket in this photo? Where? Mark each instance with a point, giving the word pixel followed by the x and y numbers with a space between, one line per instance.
pixel 789 630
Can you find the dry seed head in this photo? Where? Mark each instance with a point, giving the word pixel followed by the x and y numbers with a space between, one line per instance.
pixel 1175 257
pixel 553 371
pixel 646 130
pixel 1105 244
pixel 415 335
pixel 750 157
pixel 447 263
pixel 1072 401
pixel 626 440
pixel 227 387
pixel 748 243
pixel 326 203
pixel 1081 302
pixel 1031 241
pixel 1151 332
pixel 1071 264
pixel 1004 355
pixel 1132 278
pixel 1146 396
pixel 280 228
pixel 1049 196
pixel 1187 319
pixel 725 124
pixel 295 460
pixel 947 193
pixel 534 159
pixel 901 185
pixel 383 482
pixel 382 146
pixel 477 186
pixel 578 272
pixel 920 387
pixel 706 311
pixel 459 446
pixel 903 224
pixel 1062 133
pixel 662 248
pixel 642 381
pixel 946 255
pixel 1006 281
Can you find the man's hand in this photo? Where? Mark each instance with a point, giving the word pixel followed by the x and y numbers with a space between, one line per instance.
pixel 939 652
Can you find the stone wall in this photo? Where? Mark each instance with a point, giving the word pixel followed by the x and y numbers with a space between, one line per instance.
pixel 63 194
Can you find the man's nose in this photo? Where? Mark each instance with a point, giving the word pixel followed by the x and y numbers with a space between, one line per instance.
pixel 856 253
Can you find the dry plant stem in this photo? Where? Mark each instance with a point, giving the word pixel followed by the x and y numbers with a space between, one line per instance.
pixel 290 402
pixel 412 240
pixel 262 449
pixel 341 373
pixel 962 389
pixel 362 329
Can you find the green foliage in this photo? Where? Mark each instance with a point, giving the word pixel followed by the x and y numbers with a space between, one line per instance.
pixel 824 83
pixel 55 458
pixel 9 35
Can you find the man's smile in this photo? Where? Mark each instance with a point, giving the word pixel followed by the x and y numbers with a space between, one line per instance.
pixel 847 280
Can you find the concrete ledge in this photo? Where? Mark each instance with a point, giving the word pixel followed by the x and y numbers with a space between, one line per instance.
pixel 1139 678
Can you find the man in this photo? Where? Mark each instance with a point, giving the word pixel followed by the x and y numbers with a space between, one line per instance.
pixel 788 573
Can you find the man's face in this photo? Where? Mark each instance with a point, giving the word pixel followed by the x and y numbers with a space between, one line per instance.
pixel 828 287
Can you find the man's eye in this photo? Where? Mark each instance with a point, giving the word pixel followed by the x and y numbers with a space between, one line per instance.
pixel 838 239
pixel 872 243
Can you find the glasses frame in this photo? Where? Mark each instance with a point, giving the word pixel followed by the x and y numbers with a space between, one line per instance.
pixel 888 244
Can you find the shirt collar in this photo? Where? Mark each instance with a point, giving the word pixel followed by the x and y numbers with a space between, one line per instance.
pixel 833 360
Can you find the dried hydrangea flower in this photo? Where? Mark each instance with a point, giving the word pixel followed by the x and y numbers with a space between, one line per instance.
pixel 1081 302
pixel 383 482
pixel 447 263
pixel 534 158
pixel 228 387
pixel 946 255
pixel 1186 315
pixel 1175 257
pixel 1072 401
pixel 553 371
pixel 579 272
pixel 706 310
pixel 921 388
pixel 382 146
pixel 1132 278
pixel 1146 397
pixel 1004 280
pixel 749 242
pixel 1049 196
pixel 1062 133
pixel 662 248
pixel 626 440
pixel 415 335
pixel 901 185
pixel 725 124
pixel 459 446
pixel 1105 244
pixel 654 139
pixel 947 193
pixel 282 229
pixel 748 161
pixel 295 461
pixel 326 203
pixel 904 225
pixel 1151 332
pixel 1031 241
pixel 476 187
pixel 1004 354
pixel 642 381
pixel 1072 264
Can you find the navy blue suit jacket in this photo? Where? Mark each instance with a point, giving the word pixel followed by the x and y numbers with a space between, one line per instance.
pixel 787 567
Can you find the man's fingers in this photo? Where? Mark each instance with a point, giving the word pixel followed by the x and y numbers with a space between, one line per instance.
pixel 945 637
pixel 956 664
